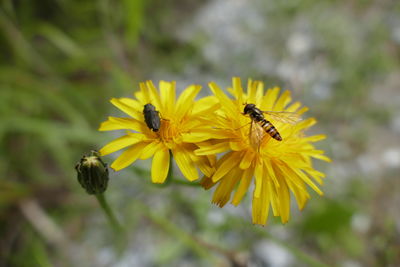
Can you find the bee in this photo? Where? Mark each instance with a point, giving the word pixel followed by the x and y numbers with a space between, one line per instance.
pixel 257 116
pixel 152 117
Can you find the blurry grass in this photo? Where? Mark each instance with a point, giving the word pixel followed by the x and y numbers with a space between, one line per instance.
pixel 54 89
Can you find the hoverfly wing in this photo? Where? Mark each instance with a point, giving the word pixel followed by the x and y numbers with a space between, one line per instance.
pixel 256 135
pixel 284 116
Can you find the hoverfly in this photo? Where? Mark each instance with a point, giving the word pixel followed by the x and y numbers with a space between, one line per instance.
pixel 257 116
pixel 152 117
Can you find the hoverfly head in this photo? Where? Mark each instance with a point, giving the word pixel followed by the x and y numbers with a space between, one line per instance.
pixel 248 108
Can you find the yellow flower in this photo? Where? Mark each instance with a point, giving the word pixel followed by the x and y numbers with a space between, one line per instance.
pixel 179 118
pixel 279 167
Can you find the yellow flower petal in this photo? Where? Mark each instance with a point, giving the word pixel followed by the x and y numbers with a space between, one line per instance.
pixel 296 185
pixel 306 180
pixel 293 107
pixel 203 163
pixel 128 157
pixel 150 149
pixel 321 157
pixel 121 143
pixel 260 206
pixel 212 149
pixel 185 100
pixel 206 104
pixel 154 96
pixel 251 91
pixel 114 123
pixel 201 135
pixel 237 146
pixel 160 166
pixel 223 192
pixel 127 108
pixel 282 102
pixel 144 95
pixel 226 163
pixel 247 159
pixel 270 172
pixel 259 92
pixel 282 170
pixel 273 197
pixel 315 138
pixel 301 196
pixel 200 123
pixel 185 164
pixel 224 100
pixel 316 175
pixel 302 110
pixel 259 175
pixel 306 123
pixel 237 88
pixel 284 201
pixel 212 159
pixel 167 95
pixel 207 183
pixel 269 99
pixel 243 186
pixel 136 105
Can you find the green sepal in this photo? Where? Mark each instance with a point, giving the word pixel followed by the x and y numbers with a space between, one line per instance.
pixel 92 173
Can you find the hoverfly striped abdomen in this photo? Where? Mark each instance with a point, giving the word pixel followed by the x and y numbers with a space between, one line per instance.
pixel 271 130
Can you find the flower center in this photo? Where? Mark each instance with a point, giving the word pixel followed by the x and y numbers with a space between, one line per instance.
pixel 168 130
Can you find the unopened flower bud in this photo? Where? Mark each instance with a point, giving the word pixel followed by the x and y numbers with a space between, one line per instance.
pixel 92 173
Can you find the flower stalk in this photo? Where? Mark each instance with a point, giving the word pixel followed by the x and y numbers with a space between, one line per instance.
pixel 112 219
pixel 93 176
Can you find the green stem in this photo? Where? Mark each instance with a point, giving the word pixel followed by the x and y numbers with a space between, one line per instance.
pixel 177 232
pixel 109 213
pixel 171 167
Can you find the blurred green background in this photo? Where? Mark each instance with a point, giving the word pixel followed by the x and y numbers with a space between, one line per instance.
pixel 61 61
